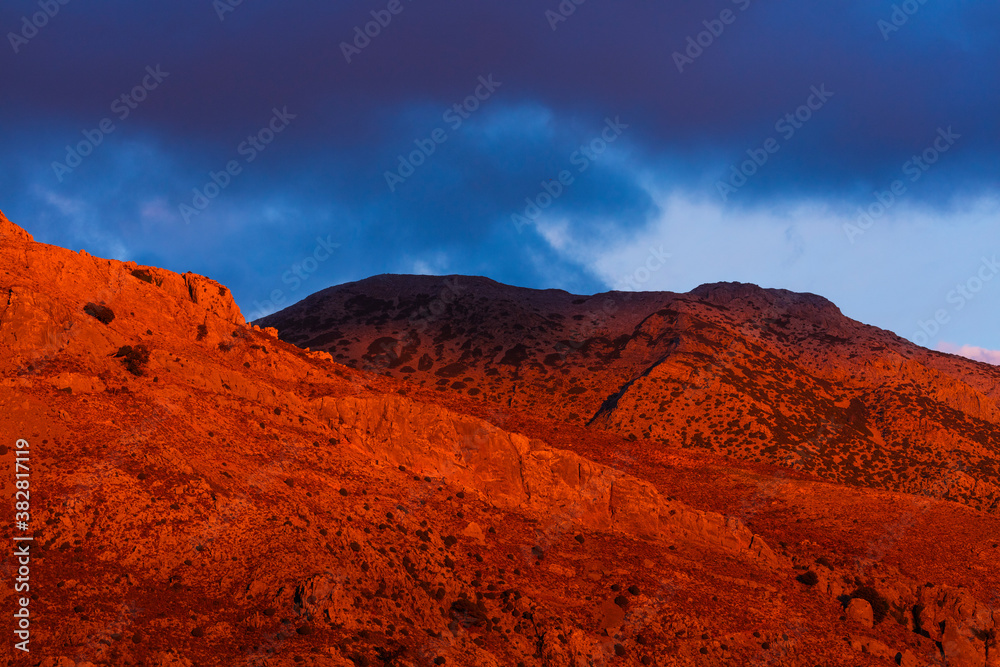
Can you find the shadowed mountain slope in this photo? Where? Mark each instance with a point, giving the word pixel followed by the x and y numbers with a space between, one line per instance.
pixel 761 375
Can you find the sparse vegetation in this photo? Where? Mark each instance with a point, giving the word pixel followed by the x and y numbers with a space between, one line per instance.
pixel 143 275
pixel 135 358
pixel 825 562
pixel 808 578
pixel 202 332
pixel 102 314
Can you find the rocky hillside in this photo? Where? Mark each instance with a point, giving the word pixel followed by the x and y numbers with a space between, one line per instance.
pixel 203 493
pixel 755 374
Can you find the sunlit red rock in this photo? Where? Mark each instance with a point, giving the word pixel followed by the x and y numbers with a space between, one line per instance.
pixel 210 495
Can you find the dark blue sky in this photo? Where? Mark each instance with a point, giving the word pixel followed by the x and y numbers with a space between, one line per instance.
pixel 637 145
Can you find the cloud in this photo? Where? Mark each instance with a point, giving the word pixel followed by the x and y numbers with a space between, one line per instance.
pixel 899 273
pixel 652 193
pixel 436 264
pixel 971 352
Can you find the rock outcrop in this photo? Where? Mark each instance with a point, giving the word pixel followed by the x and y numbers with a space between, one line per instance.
pixel 513 471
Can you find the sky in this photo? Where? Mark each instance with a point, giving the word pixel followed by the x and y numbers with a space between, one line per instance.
pixel 848 148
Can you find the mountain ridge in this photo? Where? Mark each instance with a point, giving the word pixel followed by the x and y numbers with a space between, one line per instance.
pixel 770 364
pixel 212 495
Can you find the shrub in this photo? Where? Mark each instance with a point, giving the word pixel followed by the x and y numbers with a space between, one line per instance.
pixel 202 332
pixel 103 314
pixel 143 275
pixel 880 606
pixel 467 613
pixel 134 358
pixel 809 578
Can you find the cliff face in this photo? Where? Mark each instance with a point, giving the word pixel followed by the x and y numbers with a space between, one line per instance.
pixel 513 471
pixel 210 495
pixel 47 290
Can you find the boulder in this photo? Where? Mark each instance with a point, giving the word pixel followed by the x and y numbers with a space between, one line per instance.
pixel 475 532
pixel 961 649
pixel 610 615
pixel 860 611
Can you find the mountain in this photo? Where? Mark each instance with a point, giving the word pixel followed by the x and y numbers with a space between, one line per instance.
pixel 756 374
pixel 204 493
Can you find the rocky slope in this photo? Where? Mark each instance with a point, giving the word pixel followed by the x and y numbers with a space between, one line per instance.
pixel 206 494
pixel 759 375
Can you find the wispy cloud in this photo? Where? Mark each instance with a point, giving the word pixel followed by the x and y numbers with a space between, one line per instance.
pixel 971 352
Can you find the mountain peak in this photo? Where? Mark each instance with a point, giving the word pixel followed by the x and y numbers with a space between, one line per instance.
pixel 723 293
pixel 11 232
